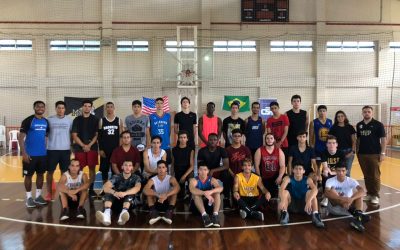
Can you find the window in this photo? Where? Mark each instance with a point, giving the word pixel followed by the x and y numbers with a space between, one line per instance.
pixel 294 46
pixel 232 46
pixel 172 46
pixel 133 46
pixel 15 44
pixel 350 46
pixel 75 45
pixel 395 46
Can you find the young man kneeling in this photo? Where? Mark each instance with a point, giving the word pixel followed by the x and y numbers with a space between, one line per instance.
pixel 206 196
pixel 161 191
pixel 121 188
pixel 299 194
pixel 73 188
pixel 245 191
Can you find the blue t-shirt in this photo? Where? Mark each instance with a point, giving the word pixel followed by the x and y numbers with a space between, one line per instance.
pixel 161 126
pixel 36 131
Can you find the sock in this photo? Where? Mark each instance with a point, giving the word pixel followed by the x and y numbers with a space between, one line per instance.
pixel 215 213
pixel 107 210
pixel 315 212
pixel 203 214
pixel 28 195
pixel 283 210
pixel 38 192
pixel 124 209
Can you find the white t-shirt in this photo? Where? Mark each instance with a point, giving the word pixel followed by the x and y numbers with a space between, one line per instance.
pixel 345 188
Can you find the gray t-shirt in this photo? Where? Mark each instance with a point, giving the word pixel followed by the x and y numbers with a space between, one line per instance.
pixel 137 127
pixel 60 133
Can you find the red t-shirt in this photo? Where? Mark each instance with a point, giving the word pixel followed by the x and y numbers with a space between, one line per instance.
pixel 119 156
pixel 236 156
pixel 277 127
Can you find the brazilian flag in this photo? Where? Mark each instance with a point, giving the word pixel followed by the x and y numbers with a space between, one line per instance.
pixel 244 102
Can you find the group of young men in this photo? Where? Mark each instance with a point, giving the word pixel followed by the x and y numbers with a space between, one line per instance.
pixel 261 160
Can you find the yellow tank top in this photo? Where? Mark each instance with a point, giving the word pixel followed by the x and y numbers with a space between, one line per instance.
pixel 248 188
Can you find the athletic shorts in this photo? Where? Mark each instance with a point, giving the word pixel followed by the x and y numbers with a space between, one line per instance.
pixel 90 158
pixel 37 164
pixel 162 207
pixel 297 205
pixel 209 209
pixel 73 204
pixel 112 198
pixel 61 157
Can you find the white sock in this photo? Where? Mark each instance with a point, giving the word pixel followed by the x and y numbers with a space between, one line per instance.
pixel 215 213
pixel 203 214
pixel 107 211
pixel 38 192
pixel 315 212
pixel 28 195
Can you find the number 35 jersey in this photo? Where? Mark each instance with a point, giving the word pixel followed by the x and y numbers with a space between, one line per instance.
pixel 161 126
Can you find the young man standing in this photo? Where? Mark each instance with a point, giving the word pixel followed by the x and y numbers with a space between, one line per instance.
pixel 231 122
pixel 186 120
pixel 278 125
pixel 206 192
pixel 371 144
pixel 161 191
pixel 137 124
pixel 298 120
pixel 298 194
pixel 58 145
pixel 125 152
pixel 110 128
pixel 121 188
pixel 245 192
pixel 209 123
pixel 84 133
pixel 32 140
pixel 319 130
pixel 269 162
pixel 254 129
pixel 72 188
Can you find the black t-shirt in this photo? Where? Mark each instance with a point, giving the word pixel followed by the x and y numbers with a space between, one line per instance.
pixel 332 160
pixel 186 122
pixel 297 123
pixel 303 157
pixel 343 135
pixel 86 128
pixel 369 136
pixel 230 124
pixel 181 158
pixel 212 159
pixel 120 184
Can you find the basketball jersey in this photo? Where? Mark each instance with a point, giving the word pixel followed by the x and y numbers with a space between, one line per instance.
pixel 297 123
pixel 210 125
pixel 298 189
pixel 71 183
pixel 254 133
pixel 204 186
pixel 269 166
pixel 109 134
pixel 248 188
pixel 162 186
pixel 321 133
pixel 153 159
pixel 161 126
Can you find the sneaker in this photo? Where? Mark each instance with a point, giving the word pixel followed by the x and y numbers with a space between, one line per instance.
pixel 284 218
pixel 316 220
pixel 374 200
pixel 123 217
pixel 48 197
pixel 363 217
pixel 324 202
pixel 243 214
pixel 258 215
pixel 357 224
pixel 40 201
pixel 64 214
pixel 367 197
pixel 81 213
pixel 154 216
pixel 104 218
pixel 227 203
pixel 215 220
pixel 30 203
pixel 168 216
pixel 92 193
pixel 206 220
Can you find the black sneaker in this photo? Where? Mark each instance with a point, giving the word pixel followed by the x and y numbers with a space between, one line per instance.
pixel 215 220
pixel 316 220
pixel 64 214
pixel 92 193
pixel 258 215
pixel 227 203
pixel 357 224
pixel 284 218
pixel 81 213
pixel 168 216
pixel 363 217
pixel 206 220
pixel 154 216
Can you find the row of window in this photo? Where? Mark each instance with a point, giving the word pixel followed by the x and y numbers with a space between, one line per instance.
pixel 218 46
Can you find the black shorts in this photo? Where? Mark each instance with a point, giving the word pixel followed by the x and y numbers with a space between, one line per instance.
pixel 37 164
pixel 162 207
pixel 297 205
pixel 61 157
pixel 74 204
pixel 112 198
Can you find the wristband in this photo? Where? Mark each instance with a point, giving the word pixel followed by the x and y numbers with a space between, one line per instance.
pixel 383 153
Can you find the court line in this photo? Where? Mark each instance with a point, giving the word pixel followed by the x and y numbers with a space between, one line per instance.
pixel 5 163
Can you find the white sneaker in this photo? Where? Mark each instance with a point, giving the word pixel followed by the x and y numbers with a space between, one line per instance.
pixel 243 214
pixel 367 197
pixel 324 202
pixel 123 217
pixel 374 200
pixel 104 218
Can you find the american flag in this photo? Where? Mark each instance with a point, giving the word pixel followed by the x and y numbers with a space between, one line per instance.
pixel 149 105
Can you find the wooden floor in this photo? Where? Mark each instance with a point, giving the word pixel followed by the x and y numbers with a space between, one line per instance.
pixel 40 228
